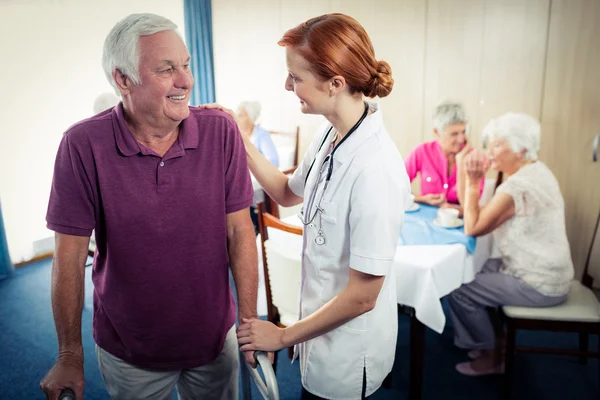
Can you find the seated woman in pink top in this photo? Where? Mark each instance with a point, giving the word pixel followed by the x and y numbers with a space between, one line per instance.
pixel 435 161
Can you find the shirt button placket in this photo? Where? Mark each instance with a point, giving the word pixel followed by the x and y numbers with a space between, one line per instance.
pixel 160 174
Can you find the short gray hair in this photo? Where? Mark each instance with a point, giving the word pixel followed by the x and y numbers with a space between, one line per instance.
pixel 448 113
pixel 121 46
pixel 521 131
pixel 252 108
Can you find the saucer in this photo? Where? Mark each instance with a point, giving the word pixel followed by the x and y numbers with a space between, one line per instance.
pixel 457 223
pixel 414 207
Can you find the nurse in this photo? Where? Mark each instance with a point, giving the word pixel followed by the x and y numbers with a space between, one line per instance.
pixel 354 186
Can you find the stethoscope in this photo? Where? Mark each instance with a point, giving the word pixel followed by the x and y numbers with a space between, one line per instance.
pixel 308 219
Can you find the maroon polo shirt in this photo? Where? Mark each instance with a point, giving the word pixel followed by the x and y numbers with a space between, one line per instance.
pixel 161 288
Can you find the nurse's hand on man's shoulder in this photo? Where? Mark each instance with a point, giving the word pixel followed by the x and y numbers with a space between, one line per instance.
pixel 216 106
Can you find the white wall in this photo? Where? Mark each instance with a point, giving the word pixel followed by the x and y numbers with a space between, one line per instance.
pixel 51 75
pixel 249 65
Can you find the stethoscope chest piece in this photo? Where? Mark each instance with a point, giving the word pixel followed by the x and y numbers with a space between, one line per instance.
pixel 320 239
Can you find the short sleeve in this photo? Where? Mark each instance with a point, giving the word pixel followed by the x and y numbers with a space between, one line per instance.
pixel 298 178
pixel 517 189
pixel 413 163
pixel 375 220
pixel 71 208
pixel 238 186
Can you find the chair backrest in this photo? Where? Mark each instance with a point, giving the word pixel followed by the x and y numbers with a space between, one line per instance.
pixel 282 270
pixel 288 147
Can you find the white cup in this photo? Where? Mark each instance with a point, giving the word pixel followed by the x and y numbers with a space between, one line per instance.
pixel 411 202
pixel 447 216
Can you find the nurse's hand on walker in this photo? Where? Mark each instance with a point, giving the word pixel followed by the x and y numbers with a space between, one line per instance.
pixel 358 297
pixel 257 334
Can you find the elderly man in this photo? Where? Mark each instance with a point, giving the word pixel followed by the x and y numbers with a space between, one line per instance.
pixel 166 188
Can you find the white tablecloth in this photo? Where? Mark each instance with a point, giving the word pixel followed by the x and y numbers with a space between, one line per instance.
pixel 424 274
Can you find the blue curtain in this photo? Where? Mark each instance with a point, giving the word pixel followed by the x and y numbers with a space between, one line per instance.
pixel 6 266
pixel 198 34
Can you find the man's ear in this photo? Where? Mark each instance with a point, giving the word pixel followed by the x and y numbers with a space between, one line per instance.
pixel 122 81
pixel 436 132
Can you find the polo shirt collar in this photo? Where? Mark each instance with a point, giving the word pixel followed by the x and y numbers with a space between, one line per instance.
pixel 129 146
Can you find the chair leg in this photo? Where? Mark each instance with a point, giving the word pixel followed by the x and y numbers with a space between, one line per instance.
pixel 291 352
pixel 509 360
pixel 583 346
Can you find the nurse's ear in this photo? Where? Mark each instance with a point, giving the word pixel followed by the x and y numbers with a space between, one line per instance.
pixel 336 85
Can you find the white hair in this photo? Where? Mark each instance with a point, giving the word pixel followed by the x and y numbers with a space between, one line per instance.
pixel 521 131
pixel 121 46
pixel 252 108
pixel 105 101
pixel 448 113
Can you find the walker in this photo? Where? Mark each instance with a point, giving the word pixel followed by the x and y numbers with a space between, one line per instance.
pixel 267 388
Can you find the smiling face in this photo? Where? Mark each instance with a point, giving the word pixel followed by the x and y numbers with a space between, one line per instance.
pixel 453 138
pixel 312 92
pixel 166 81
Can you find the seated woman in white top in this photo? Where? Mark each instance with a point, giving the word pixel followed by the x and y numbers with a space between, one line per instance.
pixel 247 114
pixel 527 218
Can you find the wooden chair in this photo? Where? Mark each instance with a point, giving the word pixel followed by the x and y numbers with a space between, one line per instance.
pixel 580 313
pixel 282 273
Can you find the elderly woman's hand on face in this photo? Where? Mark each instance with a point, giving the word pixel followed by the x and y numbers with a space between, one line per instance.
pixel 460 156
pixel 476 165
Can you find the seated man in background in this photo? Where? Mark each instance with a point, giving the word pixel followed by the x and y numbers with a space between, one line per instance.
pixel 527 218
pixel 166 188
pixel 435 161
